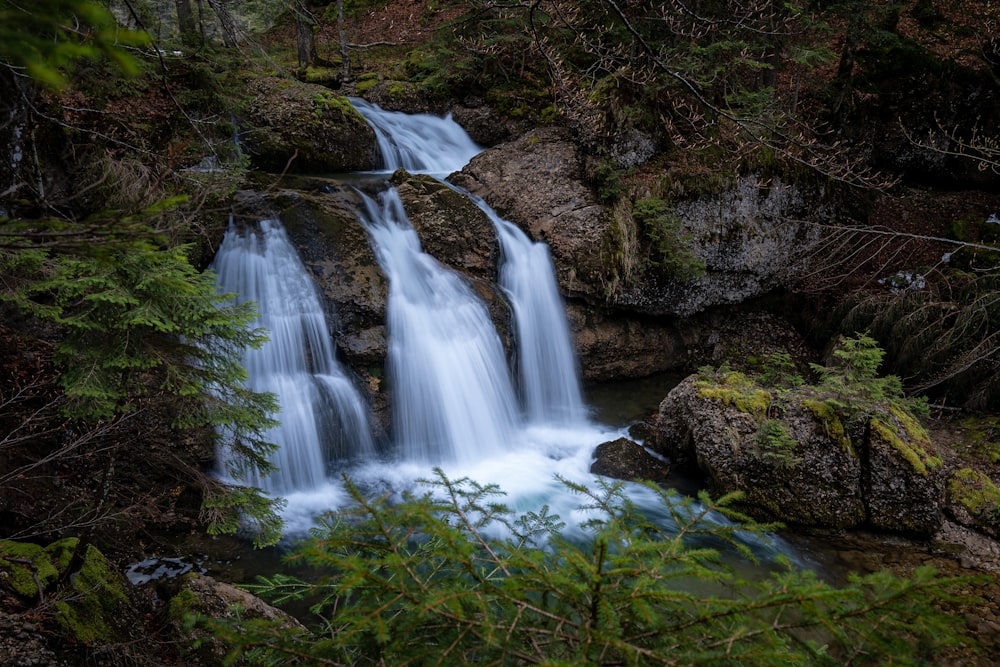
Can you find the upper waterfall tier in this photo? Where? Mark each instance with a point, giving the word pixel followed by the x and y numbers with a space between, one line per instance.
pixel 418 143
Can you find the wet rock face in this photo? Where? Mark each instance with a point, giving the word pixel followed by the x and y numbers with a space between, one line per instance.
pixel 796 464
pixel 748 237
pixel 536 182
pixel 612 345
pixel 304 128
pixel 451 228
pixel 323 225
pixel 625 459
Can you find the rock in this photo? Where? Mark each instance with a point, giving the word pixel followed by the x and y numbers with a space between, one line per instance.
pixel 452 229
pixel 612 345
pixel 628 460
pixel 321 219
pixel 903 484
pixel 23 645
pixel 973 500
pixel 536 182
pixel 796 462
pixel 205 596
pixel 304 127
pixel 749 237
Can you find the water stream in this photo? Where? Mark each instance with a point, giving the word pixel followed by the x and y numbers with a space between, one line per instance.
pixel 323 419
pixel 456 402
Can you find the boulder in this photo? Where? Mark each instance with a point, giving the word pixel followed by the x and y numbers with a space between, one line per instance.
pixel 452 229
pixel 796 462
pixel 537 183
pixel 205 596
pixel 628 460
pixel 304 128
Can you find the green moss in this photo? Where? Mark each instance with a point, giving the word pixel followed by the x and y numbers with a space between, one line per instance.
pixel 327 103
pixel 90 610
pixel 183 605
pixel 834 428
pixel 88 607
pixel 901 431
pixel 364 85
pixel 738 391
pixel 976 492
pixel 982 440
pixel 21 563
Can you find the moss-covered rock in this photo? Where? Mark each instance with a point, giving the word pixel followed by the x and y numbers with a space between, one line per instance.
pixel 200 598
pixel 974 499
pixel 738 391
pixel 903 486
pixel 801 457
pixel 90 605
pixel 301 127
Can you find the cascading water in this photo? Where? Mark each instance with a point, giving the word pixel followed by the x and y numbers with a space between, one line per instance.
pixel 452 396
pixel 418 143
pixel 546 365
pixel 549 381
pixel 323 418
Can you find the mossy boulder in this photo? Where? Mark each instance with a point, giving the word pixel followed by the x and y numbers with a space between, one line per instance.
pixel 199 597
pixel 974 500
pixel 91 605
pixel 800 459
pixel 303 128
pixel 903 477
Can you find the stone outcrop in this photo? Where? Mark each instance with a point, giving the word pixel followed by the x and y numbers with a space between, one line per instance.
pixel 452 229
pixel 322 222
pixel 537 183
pixel 748 236
pixel 796 462
pixel 304 128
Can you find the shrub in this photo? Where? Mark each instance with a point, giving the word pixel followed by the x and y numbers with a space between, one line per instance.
pixel 455 577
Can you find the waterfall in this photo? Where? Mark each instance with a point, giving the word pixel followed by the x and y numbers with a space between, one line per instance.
pixel 322 417
pixel 546 363
pixel 452 394
pixel 548 378
pixel 452 397
pixel 418 143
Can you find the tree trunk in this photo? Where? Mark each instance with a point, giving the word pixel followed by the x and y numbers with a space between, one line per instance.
pixel 305 38
pixel 185 23
pixel 345 54
pixel 230 32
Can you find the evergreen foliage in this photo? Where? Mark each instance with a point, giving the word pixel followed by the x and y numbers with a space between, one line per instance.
pixel 670 248
pixel 44 36
pixel 456 577
pixel 853 382
pixel 142 328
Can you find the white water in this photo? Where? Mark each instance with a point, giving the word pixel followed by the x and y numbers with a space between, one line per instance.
pixel 546 362
pixel 548 378
pixel 323 418
pixel 451 393
pixel 418 143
